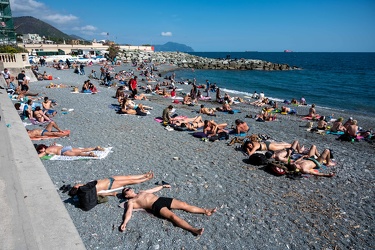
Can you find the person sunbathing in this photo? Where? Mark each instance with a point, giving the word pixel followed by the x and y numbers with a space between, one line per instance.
pixel 224 107
pixel 161 206
pixel 39 115
pixel 286 155
pixel 337 126
pixel 252 146
pixel 307 165
pixel 54 149
pixel 207 111
pixel 190 123
pixel 45 133
pixel 211 128
pixel 112 183
pixel 241 127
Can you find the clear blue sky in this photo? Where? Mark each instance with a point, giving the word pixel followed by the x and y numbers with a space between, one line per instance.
pixel 215 25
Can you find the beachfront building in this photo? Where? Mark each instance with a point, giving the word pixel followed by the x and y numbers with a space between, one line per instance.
pixel 32 38
pixel 7 34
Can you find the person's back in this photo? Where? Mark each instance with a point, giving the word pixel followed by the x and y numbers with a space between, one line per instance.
pixel 352 129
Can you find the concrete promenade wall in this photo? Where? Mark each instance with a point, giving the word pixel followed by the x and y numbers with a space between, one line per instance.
pixel 32 213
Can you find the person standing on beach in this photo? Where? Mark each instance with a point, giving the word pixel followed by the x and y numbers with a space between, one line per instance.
pixel 133 86
pixel 208 87
pixel 161 206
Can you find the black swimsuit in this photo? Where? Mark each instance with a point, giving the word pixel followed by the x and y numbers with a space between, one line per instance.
pixel 159 204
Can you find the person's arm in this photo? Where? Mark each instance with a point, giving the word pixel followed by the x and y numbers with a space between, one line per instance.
pixel 128 215
pixel 42 154
pixel 156 189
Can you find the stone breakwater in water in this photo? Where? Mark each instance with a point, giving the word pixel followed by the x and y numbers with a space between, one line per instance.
pixel 184 60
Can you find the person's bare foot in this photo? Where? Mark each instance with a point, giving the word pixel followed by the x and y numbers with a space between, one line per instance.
pixel 331 164
pixel 302 149
pixel 99 148
pixel 331 175
pixel 91 154
pixel 209 212
pixel 150 175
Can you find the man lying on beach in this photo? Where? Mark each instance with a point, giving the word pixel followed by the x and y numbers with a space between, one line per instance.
pixel 45 133
pixel 308 164
pixel 54 149
pixel 89 192
pixel 190 123
pixel 207 111
pixel 161 206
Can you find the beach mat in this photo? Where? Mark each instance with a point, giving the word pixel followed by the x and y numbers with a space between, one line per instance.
pixel 50 137
pixel 100 155
pixel 334 133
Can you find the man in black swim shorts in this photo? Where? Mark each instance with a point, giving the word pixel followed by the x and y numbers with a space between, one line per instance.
pixel 161 206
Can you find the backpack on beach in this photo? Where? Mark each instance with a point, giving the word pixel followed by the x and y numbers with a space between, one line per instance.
pixel 257 159
pixel 87 196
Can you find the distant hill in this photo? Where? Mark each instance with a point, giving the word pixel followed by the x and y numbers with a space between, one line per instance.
pixel 170 46
pixel 31 25
pixel 77 37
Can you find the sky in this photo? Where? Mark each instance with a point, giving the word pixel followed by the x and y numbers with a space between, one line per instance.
pixel 215 25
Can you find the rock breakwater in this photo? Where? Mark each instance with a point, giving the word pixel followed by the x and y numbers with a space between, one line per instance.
pixel 184 60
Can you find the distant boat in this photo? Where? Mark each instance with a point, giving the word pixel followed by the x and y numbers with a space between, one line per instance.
pixel 288 51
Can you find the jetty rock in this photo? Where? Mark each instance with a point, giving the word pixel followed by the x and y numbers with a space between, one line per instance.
pixel 184 60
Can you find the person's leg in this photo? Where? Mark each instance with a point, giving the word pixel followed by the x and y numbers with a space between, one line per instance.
pixel 325 156
pixel 168 214
pixel 51 125
pixel 121 180
pixel 296 146
pixel 279 146
pixel 313 151
pixel 181 205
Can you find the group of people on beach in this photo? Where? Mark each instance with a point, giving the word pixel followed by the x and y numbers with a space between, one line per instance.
pixel 300 159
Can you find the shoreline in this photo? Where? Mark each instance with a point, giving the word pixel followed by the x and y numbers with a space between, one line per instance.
pixel 254 207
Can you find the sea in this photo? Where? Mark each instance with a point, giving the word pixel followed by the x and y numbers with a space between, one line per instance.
pixel 337 81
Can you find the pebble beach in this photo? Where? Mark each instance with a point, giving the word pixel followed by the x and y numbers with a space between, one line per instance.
pixel 255 209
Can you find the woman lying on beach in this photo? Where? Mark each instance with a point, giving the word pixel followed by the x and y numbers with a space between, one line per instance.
pixel 190 123
pixel 252 146
pixel 45 133
pixel 90 194
pixel 44 150
pixel 211 128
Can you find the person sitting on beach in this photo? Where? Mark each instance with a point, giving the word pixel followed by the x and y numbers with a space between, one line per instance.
pixel 352 129
pixel 39 115
pixel 44 133
pixel 261 95
pixel 186 100
pixel 207 111
pixel 348 122
pixel 85 87
pixel 161 206
pixel 211 128
pixel 228 99
pixel 255 95
pixel 167 119
pixel 92 87
pixel 307 165
pixel 130 108
pixel 120 94
pixel 303 101
pixel 54 149
pixel 241 127
pixel 225 107
pixel 312 111
pixel 219 99
pixel 45 76
pixel 252 146
pixel 48 107
pixel 7 76
pixel 322 124
pixel 337 126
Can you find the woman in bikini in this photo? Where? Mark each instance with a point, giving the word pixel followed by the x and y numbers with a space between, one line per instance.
pixel 252 146
pixel 67 150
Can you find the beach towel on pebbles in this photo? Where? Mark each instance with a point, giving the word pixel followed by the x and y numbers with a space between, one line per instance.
pixel 100 155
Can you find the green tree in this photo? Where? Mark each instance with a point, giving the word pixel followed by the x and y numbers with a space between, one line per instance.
pixel 12 49
pixel 112 51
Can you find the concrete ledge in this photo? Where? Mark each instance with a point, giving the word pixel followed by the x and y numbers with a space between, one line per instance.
pixel 32 213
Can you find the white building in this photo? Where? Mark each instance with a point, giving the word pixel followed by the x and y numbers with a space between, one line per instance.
pixel 32 38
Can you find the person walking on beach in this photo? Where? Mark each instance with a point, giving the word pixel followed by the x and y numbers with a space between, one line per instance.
pixel 161 206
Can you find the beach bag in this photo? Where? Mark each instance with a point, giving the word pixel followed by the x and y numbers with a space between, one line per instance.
pixel 277 168
pixel 199 135
pixel 87 196
pixel 257 159
pixel 223 136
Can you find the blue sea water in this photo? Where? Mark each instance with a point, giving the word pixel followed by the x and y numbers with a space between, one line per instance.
pixel 337 81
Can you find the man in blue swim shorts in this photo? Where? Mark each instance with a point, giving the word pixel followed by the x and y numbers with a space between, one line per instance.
pixel 161 206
